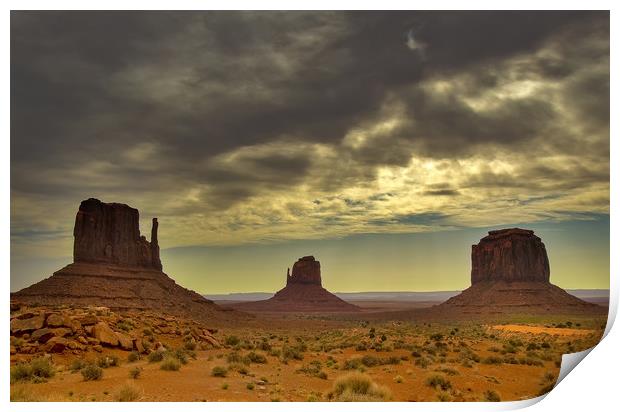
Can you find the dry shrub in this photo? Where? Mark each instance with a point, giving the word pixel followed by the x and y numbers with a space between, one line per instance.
pixel 357 387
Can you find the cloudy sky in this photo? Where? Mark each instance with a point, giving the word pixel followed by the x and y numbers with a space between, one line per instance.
pixel 383 143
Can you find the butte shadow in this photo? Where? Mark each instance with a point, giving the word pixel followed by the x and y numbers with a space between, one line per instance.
pixel 114 266
pixel 303 293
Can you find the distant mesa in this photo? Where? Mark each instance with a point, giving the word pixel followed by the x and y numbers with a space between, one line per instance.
pixel 114 266
pixel 303 293
pixel 510 273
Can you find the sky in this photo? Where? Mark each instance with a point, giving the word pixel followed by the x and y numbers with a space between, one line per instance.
pixel 383 143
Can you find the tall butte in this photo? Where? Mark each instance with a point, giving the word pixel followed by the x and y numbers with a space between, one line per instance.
pixel 303 293
pixel 510 273
pixel 114 266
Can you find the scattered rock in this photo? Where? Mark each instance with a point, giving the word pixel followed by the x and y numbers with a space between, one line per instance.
pixel 105 334
pixel 124 341
pixel 56 345
pixel 22 325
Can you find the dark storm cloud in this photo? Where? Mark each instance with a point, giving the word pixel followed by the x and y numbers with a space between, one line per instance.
pixel 86 87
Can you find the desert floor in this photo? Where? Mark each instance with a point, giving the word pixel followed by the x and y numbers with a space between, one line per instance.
pixel 320 357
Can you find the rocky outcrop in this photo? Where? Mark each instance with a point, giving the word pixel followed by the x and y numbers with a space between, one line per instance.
pixel 114 266
pixel 511 255
pixel 303 293
pixel 307 271
pixel 110 233
pixel 126 330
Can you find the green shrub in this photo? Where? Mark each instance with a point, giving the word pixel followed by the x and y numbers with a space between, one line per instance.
pixel 170 363
pixel 291 352
pixel 250 386
pixel 256 357
pixel 20 372
pixel 231 340
pixel 155 356
pixel 219 371
pixel 38 369
pixel 493 360
pixel 92 372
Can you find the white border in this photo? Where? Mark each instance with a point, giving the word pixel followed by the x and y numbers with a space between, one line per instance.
pixel 591 385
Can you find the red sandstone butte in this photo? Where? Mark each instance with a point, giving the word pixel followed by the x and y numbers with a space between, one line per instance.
pixel 510 274
pixel 114 266
pixel 512 255
pixel 303 293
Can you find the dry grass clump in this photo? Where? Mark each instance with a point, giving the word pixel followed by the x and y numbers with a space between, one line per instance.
pixel 170 363
pixel 128 393
pixel 21 394
pixel 357 387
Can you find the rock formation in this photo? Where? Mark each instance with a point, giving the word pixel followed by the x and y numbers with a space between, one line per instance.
pixel 306 271
pixel 114 266
pixel 109 233
pixel 511 255
pixel 510 273
pixel 303 293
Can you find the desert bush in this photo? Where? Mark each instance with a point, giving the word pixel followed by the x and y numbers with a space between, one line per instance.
pixel 108 361
pixel 232 340
pixel 447 371
pixel 438 381
pixel 181 355
pixel 133 356
pixel 20 372
pixel 491 396
pixel 250 386
pixel 155 356
pixel 128 393
pixel 264 346
pixel 224 386
pixel 124 325
pixel 219 371
pixel 189 345
pixel 92 372
pixel 424 362
pixel 147 332
pixel 236 357
pixel 38 369
pixel 398 379
pixel 357 387
pixel 492 360
pixel 291 352
pixel 134 373
pixel 256 357
pixel 170 363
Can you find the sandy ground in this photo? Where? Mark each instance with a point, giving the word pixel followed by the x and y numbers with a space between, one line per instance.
pixel 543 330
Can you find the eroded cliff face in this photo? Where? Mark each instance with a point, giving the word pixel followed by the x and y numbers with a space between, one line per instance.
pixel 110 233
pixel 510 255
pixel 307 270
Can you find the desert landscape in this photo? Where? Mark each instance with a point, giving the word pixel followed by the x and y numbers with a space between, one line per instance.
pixel 112 326
pixel 306 206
